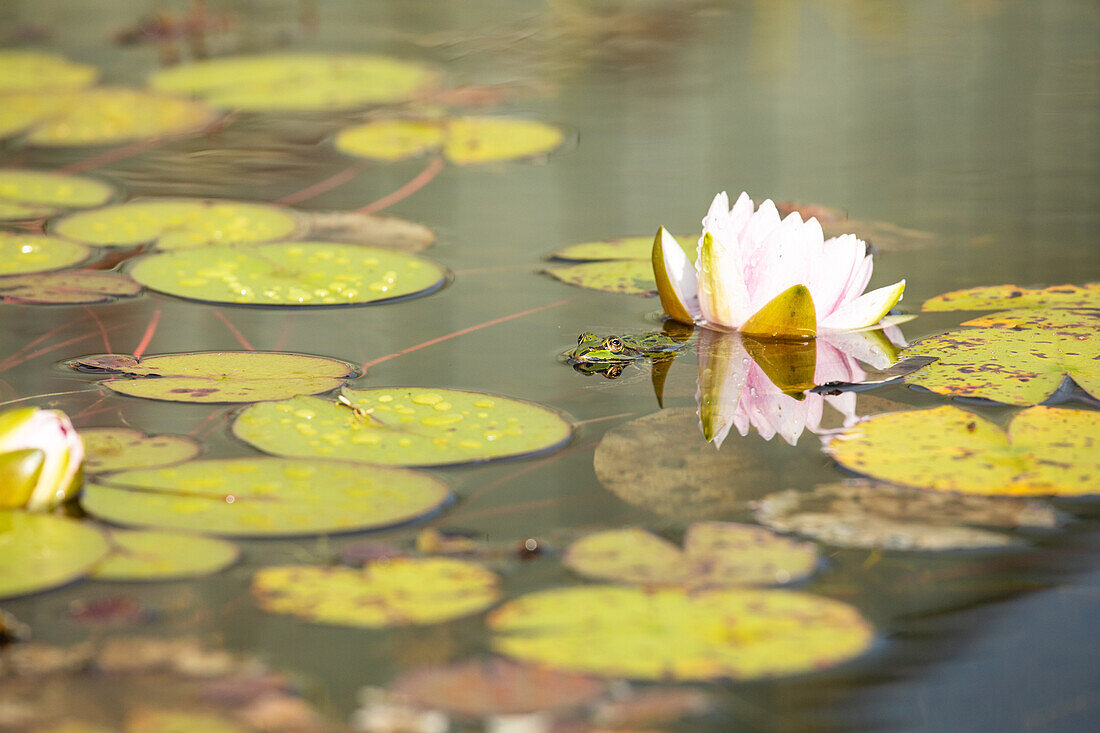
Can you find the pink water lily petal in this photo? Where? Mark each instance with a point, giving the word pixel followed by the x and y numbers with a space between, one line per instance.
pixel 866 310
pixel 841 272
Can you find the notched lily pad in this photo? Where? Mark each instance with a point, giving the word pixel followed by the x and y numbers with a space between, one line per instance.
pixel 673 634
pixel 866 515
pixel 405 426
pixel 1018 357
pixel 31 70
pixel 22 254
pixel 178 223
pixel 218 376
pixel 384 232
pixel 68 287
pixel 40 551
pixel 145 555
pixel 1001 297
pixel 715 554
pixel 29 194
pixel 118 449
pixel 289 274
pixel 264 497
pixel 397 592
pixel 1046 451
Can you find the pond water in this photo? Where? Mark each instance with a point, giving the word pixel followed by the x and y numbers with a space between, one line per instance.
pixel 963 134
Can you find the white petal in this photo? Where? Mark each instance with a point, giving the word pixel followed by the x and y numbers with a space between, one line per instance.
pixel 865 310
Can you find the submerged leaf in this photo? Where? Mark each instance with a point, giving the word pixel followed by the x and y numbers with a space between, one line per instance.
pixel 28 253
pixel 998 297
pixel 40 551
pixel 670 633
pixel 68 287
pixel 116 449
pixel 1046 451
pixel 143 555
pixel 26 194
pixel 385 232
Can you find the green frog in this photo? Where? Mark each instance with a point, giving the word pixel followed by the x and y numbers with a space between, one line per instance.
pixel 609 355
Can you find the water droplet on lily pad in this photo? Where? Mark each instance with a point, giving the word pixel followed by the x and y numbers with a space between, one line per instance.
pixel 68 287
pixel 674 634
pixel 27 194
pixel 40 551
pixel 219 376
pixel 405 426
pixel 396 592
pixel 289 274
pixel 265 497
pixel 28 253
pixel 147 555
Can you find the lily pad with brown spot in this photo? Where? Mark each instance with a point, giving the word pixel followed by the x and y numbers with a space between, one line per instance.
pixel 68 287
pixel 264 497
pixel 29 194
pixel 674 634
pixel 41 551
pixel 1045 451
pixel 715 554
pixel 633 277
pixel 404 426
pixel 397 592
pixel 1001 297
pixel 290 274
pixel 1019 357
pixel 219 376
pixel 867 514
pixel 146 555
pixel 22 254
pixel 384 232
pixel 118 449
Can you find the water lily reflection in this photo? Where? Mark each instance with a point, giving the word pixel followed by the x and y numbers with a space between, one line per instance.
pixel 763 384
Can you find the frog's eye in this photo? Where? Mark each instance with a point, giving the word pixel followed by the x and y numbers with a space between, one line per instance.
pixel 614 345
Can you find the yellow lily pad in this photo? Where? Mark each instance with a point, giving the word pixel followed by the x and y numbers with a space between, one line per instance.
pixel 398 592
pixel 1001 297
pixel 26 194
pixel 633 277
pixel 178 721
pixel 715 554
pixel 219 376
pixel 1046 451
pixel 178 223
pixel 69 287
pixel 298 81
pixel 616 248
pixel 28 253
pixel 405 426
pixel 264 497
pixel 867 514
pixel 117 449
pixel 40 551
pixel 290 274
pixel 1019 357
pixel 146 555
pixel 670 633
pixel 390 140
pixel 33 70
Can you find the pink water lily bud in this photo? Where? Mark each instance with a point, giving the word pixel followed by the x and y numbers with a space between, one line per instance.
pixel 41 456
pixel 753 272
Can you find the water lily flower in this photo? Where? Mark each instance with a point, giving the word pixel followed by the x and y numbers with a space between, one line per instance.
pixel 767 276
pixel 41 457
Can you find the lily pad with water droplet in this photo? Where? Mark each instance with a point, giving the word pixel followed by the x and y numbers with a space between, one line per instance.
pixel 715 554
pixel 68 287
pixel 634 277
pixel 1017 357
pixel 397 592
pixel 40 551
pixel 405 426
pixel 673 634
pixel 145 555
pixel 25 70
pixel 1046 451
pixel 1000 297
pixel 178 223
pixel 867 514
pixel 298 81
pixel 26 194
pixel 219 376
pixel 264 497
pixel 289 274
pixel 28 253
pixel 118 449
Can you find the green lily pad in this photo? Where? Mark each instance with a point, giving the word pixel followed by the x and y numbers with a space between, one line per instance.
pixel 40 551
pixel 178 223
pixel 151 555
pixel 867 515
pixel 289 274
pixel 298 81
pixel 26 253
pixel 177 721
pixel 618 248
pixel 68 287
pixel 26 194
pixel 1046 451
pixel 264 497
pixel 715 554
pixel 999 297
pixel 674 634
pixel 1017 357
pixel 405 426
pixel 219 376
pixel 31 70
pixel 118 449
pixel 634 277
pixel 398 592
